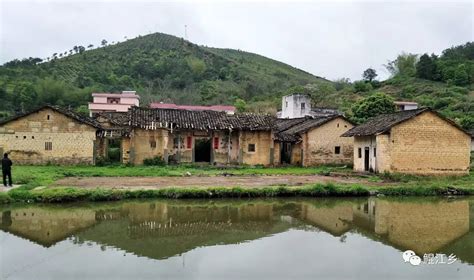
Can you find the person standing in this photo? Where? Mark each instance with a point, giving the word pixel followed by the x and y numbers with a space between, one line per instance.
pixel 7 170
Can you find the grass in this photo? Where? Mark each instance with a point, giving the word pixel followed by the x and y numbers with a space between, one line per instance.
pixel 400 185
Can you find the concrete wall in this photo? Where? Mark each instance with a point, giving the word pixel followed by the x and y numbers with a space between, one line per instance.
pixel 291 106
pixel 362 143
pixel 72 142
pixel 428 144
pixel 319 144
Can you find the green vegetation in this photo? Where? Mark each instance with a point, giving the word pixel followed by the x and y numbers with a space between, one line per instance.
pixel 36 182
pixel 158 66
pixel 166 68
pixel 371 106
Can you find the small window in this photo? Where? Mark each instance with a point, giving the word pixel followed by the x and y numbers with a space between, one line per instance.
pixel 337 124
pixel 48 117
pixel 216 143
pixel 375 152
pixel 303 106
pixel 337 150
pixel 251 148
pixel 189 142
pixel 359 151
pixel 24 137
pixel 152 143
pixel 48 146
pixel 32 137
pixel 286 104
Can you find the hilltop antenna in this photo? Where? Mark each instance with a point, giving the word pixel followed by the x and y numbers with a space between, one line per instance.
pixel 185 32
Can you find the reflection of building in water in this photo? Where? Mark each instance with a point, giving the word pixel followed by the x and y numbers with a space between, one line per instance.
pixel 421 227
pixel 160 230
pixel 45 226
pixel 335 219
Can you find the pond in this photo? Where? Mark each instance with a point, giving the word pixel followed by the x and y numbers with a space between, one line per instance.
pixel 240 239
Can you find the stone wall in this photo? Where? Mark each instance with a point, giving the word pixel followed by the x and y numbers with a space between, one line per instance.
pixel 319 144
pixel 48 137
pixel 428 144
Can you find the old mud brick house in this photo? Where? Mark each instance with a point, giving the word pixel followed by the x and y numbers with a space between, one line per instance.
pixel 417 141
pixel 49 135
pixel 198 136
pixel 313 141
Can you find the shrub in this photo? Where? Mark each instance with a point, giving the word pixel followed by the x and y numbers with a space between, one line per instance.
pixel 156 161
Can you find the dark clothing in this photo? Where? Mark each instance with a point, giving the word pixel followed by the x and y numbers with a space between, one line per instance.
pixel 9 175
pixel 6 164
pixel 7 171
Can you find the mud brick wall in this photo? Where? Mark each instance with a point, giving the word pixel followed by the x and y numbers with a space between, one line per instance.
pixel 428 144
pixel 25 139
pixel 263 141
pixel 141 146
pixel 319 144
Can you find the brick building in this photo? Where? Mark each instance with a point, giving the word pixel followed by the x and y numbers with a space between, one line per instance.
pixel 313 141
pixel 417 141
pixel 49 134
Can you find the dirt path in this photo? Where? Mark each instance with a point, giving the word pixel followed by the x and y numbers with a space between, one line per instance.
pixel 194 181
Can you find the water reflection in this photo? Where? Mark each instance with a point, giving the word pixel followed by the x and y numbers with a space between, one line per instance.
pixel 163 229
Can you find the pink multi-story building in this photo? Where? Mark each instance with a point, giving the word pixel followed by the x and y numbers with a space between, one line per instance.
pixel 113 102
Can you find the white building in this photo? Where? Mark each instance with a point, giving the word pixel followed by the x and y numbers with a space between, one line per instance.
pixel 113 102
pixel 405 105
pixel 299 105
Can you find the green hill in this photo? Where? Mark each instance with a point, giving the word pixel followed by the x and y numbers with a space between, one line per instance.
pixel 158 66
pixel 167 68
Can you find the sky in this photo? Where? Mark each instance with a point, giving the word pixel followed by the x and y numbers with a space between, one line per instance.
pixel 331 39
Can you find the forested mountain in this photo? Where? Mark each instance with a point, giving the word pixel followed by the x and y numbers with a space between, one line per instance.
pixel 162 67
pixel 158 66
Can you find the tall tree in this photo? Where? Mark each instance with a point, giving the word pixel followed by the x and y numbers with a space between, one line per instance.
pixel 103 42
pixel 369 74
pixel 371 106
pixel 426 67
pixel 403 65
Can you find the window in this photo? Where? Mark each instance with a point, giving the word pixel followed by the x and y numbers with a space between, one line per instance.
pixel 216 143
pixel 286 104
pixel 337 150
pixel 48 146
pixel 24 137
pixel 337 124
pixel 32 137
pixel 303 105
pixel 152 143
pixel 251 148
pixel 359 151
pixel 189 142
pixel 48 117
pixel 375 152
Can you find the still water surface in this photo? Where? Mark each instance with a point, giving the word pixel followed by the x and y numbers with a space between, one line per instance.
pixel 237 239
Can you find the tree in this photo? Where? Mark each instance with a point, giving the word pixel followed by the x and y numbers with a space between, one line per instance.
pixel 369 74
pixel 80 49
pixel 240 105
pixel 103 42
pixel 374 105
pixel 76 49
pixel 426 67
pixel 362 86
pixel 90 46
pixel 403 65
pixel 461 77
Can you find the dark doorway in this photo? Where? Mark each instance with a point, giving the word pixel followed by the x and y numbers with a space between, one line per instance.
pixel 285 155
pixel 113 150
pixel 202 150
pixel 366 159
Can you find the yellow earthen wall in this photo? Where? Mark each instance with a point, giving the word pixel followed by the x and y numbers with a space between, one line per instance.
pixel 140 147
pixel 319 144
pixel 24 138
pixel 263 141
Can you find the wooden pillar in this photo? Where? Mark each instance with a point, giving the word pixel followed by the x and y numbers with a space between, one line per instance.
pixel 178 155
pixel 212 149
pixel 240 156
pixel 228 146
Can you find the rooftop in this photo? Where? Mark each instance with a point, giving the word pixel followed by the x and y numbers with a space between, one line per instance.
pixel 219 108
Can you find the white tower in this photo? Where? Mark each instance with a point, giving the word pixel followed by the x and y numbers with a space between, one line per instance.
pixel 295 106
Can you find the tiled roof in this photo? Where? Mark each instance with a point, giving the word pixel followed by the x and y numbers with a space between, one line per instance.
pixel 290 130
pixel 384 122
pixel 66 112
pixel 219 108
pixel 200 120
